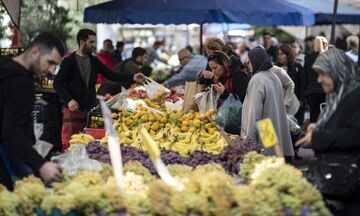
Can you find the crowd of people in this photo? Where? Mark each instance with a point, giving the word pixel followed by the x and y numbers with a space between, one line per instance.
pixel 271 81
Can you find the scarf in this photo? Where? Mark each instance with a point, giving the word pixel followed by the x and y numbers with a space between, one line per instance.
pixel 259 59
pixel 344 75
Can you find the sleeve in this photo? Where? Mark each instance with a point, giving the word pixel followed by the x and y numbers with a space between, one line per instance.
pixel 344 138
pixel 301 78
pixel 17 130
pixel 256 94
pixel 60 80
pixel 306 71
pixel 131 68
pixel 110 74
pixel 287 83
pixel 189 72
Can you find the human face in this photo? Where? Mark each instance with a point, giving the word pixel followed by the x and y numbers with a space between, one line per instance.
pixel 45 63
pixel 267 40
pixel 141 59
pixel 88 46
pixel 250 67
pixel 326 82
pixel 296 49
pixel 282 58
pixel 217 69
pixel 184 59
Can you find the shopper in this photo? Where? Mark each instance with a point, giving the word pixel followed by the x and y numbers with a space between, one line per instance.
pixel 269 46
pixel 129 66
pixel 225 80
pixel 75 83
pixel 190 65
pixel 298 49
pixel 106 57
pixel 353 47
pixel 286 60
pixel 17 96
pixel 335 134
pixel 118 53
pixel 264 99
pixel 314 94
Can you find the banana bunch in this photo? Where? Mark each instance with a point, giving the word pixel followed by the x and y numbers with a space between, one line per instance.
pixel 81 138
pixel 214 144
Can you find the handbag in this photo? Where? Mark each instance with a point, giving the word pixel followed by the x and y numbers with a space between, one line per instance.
pixel 336 176
pixel 73 122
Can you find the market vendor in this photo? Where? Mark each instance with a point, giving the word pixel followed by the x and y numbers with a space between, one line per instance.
pixel 75 83
pixel 337 129
pixel 17 95
pixel 225 79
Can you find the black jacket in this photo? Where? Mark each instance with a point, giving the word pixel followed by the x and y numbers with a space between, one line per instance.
pixel 340 134
pixel 69 84
pixel 311 84
pixel 17 96
pixel 296 73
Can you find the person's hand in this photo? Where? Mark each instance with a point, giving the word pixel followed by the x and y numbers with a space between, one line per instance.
pixel 207 74
pixel 50 172
pixel 219 87
pixel 311 127
pixel 305 142
pixel 73 105
pixel 139 77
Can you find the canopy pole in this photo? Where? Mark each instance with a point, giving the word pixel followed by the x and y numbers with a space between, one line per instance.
pixel 359 47
pixel 201 39
pixel 332 39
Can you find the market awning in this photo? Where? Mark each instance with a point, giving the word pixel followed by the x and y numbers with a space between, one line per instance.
pixel 323 9
pixel 257 12
pixel 13 8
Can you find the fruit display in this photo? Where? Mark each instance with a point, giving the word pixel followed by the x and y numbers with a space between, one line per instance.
pixel 229 158
pixel 81 138
pixel 172 130
pixel 208 190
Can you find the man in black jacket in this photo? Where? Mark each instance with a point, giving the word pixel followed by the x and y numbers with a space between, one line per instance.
pixel 75 82
pixel 17 96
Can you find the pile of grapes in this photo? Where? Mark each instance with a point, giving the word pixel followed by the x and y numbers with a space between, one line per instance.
pixel 229 159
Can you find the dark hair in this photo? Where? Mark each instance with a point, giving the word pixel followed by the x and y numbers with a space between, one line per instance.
pixel 107 41
pixel 219 57
pixel 84 34
pixel 188 47
pixel 138 51
pixel 119 44
pixel 309 38
pixel 286 49
pixel 47 41
pixel 265 33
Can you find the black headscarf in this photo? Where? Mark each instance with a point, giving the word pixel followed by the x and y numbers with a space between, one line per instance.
pixel 259 59
pixel 344 74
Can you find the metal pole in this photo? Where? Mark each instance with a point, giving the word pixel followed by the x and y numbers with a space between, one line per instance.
pixel 201 39
pixel 359 47
pixel 332 39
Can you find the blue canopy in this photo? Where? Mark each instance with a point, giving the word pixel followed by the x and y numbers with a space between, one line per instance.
pixel 256 12
pixel 323 10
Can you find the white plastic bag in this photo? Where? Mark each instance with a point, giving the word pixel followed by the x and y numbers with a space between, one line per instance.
pixel 154 90
pixel 174 106
pixel 76 159
pixel 207 100
pixel 293 125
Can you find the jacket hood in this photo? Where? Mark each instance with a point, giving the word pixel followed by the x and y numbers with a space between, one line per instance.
pixel 7 66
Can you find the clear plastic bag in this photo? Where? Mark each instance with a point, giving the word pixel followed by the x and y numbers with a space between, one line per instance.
pixel 207 100
pixel 118 99
pixel 293 125
pixel 174 106
pixel 154 90
pixel 229 115
pixel 76 159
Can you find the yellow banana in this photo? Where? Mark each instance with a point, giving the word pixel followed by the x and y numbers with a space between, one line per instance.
pixel 103 141
pixel 124 127
pixel 150 144
pixel 78 141
pixel 212 138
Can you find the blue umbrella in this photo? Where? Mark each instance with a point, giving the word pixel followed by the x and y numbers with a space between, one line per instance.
pixel 323 10
pixel 256 12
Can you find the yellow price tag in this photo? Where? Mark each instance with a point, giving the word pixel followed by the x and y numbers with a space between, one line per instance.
pixel 267 132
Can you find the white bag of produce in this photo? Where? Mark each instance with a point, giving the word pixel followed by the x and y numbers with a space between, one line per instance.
pixel 76 159
pixel 174 106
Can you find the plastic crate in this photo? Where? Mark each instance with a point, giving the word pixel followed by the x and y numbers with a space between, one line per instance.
pixel 97 133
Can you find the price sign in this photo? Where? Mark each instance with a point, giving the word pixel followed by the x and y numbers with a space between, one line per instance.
pixel 267 132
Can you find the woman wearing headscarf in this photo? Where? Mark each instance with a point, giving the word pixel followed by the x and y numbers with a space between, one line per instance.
pixel 338 127
pixel 264 99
